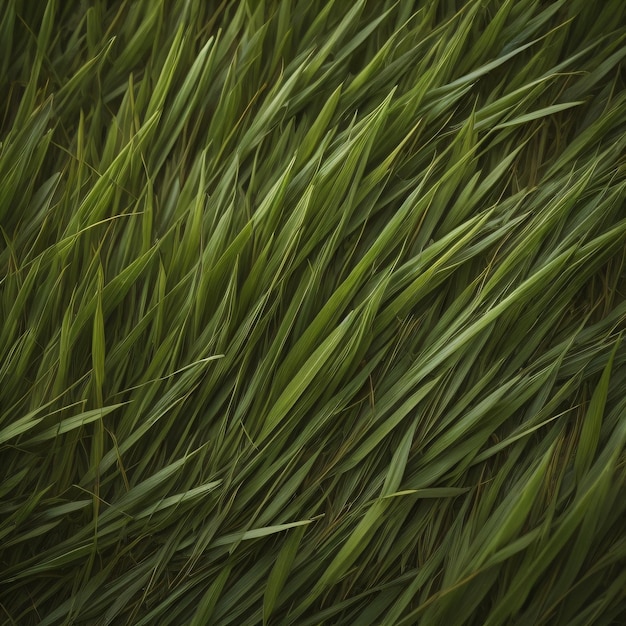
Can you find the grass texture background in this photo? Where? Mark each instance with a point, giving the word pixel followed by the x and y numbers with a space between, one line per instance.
pixel 312 312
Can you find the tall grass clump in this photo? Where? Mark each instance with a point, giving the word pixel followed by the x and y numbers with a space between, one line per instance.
pixel 312 312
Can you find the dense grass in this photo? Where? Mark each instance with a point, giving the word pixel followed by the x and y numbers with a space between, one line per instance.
pixel 312 312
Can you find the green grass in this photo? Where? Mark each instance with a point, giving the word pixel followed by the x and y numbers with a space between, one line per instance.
pixel 312 312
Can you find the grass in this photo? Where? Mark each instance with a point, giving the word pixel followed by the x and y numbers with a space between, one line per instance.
pixel 312 312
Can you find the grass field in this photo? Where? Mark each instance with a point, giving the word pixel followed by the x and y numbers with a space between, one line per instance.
pixel 312 312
